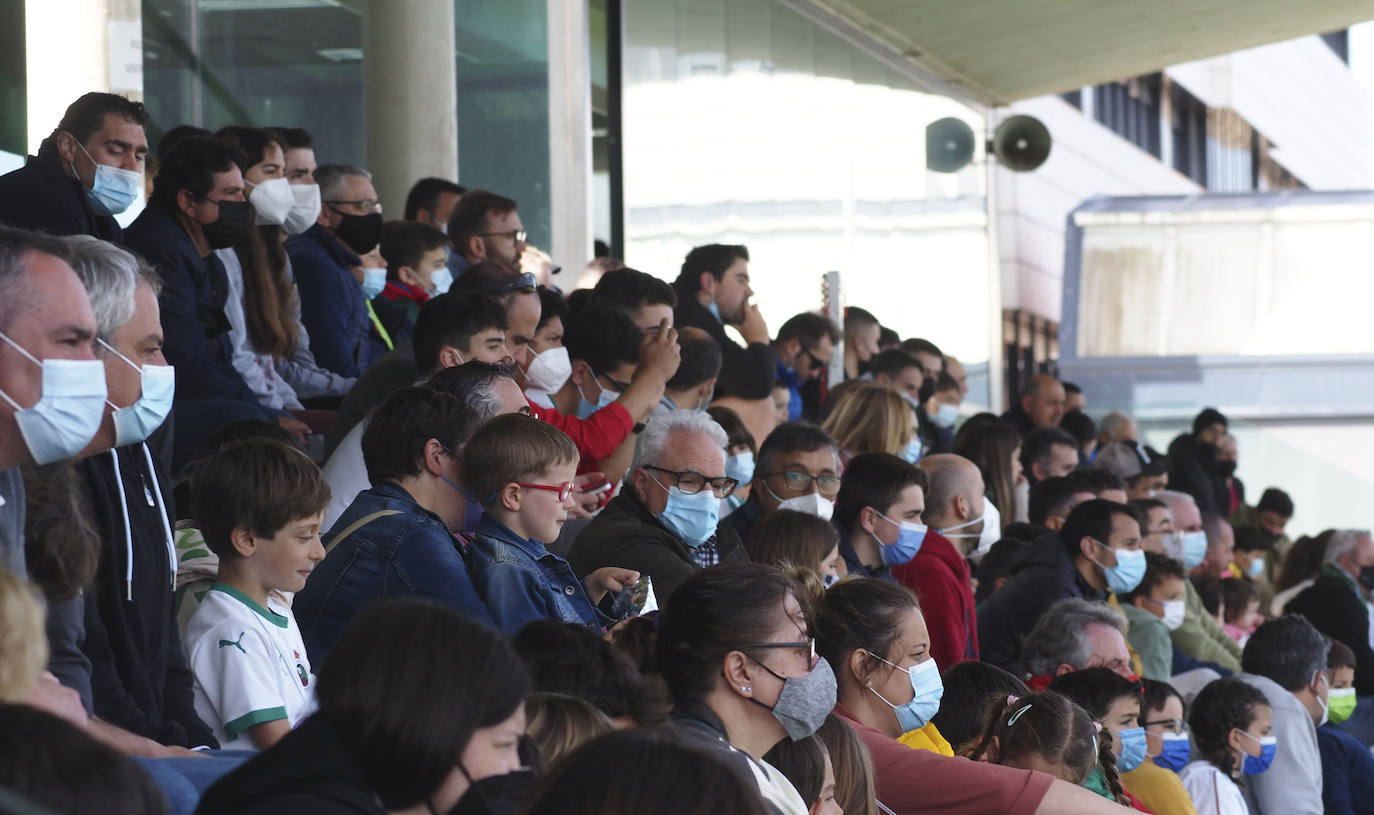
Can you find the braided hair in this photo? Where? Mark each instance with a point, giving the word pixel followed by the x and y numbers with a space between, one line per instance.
pixel 1045 724
pixel 1221 706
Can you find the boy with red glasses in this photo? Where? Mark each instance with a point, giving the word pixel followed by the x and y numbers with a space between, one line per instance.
pixel 522 470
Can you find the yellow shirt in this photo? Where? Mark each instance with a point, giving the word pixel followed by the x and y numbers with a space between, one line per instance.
pixel 927 738
pixel 1158 789
pixel 1137 667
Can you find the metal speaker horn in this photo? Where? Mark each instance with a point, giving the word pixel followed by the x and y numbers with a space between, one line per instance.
pixel 949 145
pixel 1021 143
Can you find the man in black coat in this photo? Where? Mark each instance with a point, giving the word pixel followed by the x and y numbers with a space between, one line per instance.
pixel 88 171
pixel 1193 463
pixel 1338 604
pixel 713 291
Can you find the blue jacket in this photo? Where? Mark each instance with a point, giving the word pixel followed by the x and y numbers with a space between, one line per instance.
pixel 523 581
pixel 410 552
pixel 195 328
pixel 794 402
pixel 1347 772
pixel 332 306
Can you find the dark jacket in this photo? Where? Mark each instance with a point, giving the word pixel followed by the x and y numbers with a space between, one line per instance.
pixel 744 519
pixel 309 770
pixel 1335 607
pixel 696 725
pixel 1017 420
pixel 1347 773
pixel 940 577
pixel 139 678
pixel 410 551
pixel 333 309
pixel 1041 575
pixel 1192 469
pixel 194 291
pixel 42 195
pixel 851 557
pixel 745 372
pixel 626 534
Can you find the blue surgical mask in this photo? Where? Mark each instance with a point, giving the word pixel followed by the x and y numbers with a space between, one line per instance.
pixel 910 536
pixel 1176 752
pixel 1254 765
pixel 946 415
pixel 692 518
pixel 1256 567
pixel 1132 749
pixel 585 408
pixel 137 422
pixel 374 280
pixel 440 281
pixel 740 467
pixel 1128 571
pixel 927 690
pixel 472 508
pixel 1194 548
pixel 115 190
pixel 912 451
pixel 69 410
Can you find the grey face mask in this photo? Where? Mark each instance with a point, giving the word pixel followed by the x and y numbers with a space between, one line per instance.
pixel 805 701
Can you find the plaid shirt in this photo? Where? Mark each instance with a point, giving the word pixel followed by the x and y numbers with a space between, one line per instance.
pixel 706 554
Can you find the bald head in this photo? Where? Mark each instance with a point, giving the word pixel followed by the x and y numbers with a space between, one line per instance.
pixel 1116 426
pixel 956 490
pixel 1043 401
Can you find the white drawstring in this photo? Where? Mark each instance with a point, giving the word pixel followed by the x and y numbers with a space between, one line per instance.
pixel 128 533
pixel 162 514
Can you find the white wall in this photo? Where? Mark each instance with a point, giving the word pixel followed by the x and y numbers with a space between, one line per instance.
pixel 1087 159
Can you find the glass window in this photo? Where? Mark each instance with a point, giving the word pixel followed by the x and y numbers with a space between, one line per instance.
pixel 13 82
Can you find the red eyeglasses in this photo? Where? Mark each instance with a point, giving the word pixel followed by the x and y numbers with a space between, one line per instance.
pixel 564 490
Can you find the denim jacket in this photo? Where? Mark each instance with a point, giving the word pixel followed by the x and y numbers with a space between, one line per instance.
pixel 522 581
pixel 411 552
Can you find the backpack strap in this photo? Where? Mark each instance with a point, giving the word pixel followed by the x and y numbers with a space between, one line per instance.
pixel 359 524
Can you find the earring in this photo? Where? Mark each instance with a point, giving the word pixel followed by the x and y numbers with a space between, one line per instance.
pixel 747 688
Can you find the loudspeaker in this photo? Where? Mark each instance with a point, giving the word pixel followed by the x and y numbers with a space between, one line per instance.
pixel 949 145
pixel 1021 143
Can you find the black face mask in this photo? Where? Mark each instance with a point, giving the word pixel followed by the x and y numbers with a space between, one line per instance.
pixel 1226 469
pixel 1367 577
pixel 497 795
pixel 361 233
pixel 927 390
pixel 235 219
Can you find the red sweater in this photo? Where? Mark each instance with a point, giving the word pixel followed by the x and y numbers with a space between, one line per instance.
pixel 596 436
pixel 940 577
pixel 919 781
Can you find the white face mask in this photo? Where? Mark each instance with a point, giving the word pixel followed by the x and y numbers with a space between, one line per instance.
pixel 272 200
pixel 1173 613
pixel 992 529
pixel 549 371
pixel 305 208
pixel 813 503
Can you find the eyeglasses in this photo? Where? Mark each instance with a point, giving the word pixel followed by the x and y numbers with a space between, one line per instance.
pixel 816 362
pixel 692 483
pixel 1172 725
pixel 619 386
pixel 564 490
pixel 807 649
pixel 365 204
pixel 516 235
pixel 797 481
pixel 524 283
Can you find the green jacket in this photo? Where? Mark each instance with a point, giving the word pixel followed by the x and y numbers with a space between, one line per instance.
pixel 1150 638
pixel 1201 636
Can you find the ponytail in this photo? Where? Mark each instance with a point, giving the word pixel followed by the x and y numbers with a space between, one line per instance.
pixel 1107 761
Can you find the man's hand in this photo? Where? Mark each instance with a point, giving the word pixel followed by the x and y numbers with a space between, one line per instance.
pixel 608 578
pixel 753 328
pixel 587 501
pixel 51 696
pixel 659 355
pixel 297 427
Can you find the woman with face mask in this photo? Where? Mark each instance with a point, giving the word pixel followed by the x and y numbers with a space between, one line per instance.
pixel 873 631
pixel 421 711
pixel 736 650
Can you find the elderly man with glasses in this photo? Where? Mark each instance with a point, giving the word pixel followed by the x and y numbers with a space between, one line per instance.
pixel 339 268
pixel 665 522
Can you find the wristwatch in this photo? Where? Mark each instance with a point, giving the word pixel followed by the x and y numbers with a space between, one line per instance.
pixel 638 428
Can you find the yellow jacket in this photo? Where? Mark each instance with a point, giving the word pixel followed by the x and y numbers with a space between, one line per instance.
pixel 927 738
pixel 1158 789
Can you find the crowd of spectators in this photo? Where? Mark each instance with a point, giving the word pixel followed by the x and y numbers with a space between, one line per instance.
pixel 303 509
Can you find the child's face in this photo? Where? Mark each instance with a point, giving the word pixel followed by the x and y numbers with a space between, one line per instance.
pixel 1123 714
pixel 541 513
pixel 1154 733
pixel 782 400
pixel 1262 725
pixel 1250 619
pixel 286 559
pixel 830 567
pixel 1167 590
pixel 1343 678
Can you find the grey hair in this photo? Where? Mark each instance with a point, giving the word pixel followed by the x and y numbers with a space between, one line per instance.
pixel 1060 636
pixel 15 296
pixel 111 275
pixel 330 176
pixel 1341 544
pixel 649 446
pixel 1111 423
